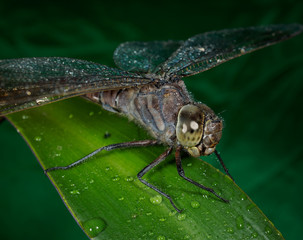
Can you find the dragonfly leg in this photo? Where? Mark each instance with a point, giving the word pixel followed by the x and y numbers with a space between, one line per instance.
pixel 223 165
pixel 182 174
pixel 149 167
pixel 142 143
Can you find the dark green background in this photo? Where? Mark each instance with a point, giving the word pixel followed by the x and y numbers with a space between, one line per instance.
pixel 260 97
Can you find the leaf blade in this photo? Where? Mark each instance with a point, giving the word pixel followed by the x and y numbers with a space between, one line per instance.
pixel 103 194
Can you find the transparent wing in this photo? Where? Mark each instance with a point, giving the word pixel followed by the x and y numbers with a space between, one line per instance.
pixel 30 82
pixel 144 56
pixel 210 49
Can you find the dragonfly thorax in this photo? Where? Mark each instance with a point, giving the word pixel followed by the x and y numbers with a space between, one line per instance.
pixel 198 129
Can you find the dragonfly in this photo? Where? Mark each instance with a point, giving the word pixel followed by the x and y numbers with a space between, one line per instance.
pixel 147 87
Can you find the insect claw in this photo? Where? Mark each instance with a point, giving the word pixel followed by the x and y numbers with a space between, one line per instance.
pixel 54 168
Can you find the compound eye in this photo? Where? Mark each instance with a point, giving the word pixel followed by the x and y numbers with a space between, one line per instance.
pixel 189 126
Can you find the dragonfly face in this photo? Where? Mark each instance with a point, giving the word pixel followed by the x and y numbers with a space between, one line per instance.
pixel 198 129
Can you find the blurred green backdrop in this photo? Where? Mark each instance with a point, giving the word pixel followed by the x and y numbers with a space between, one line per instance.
pixel 259 96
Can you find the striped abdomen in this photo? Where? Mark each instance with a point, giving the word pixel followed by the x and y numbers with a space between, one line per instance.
pixel 155 108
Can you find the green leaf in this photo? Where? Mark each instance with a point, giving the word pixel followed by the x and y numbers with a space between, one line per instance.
pixel 104 195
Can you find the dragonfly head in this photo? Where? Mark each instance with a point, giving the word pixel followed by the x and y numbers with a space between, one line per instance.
pixel 198 129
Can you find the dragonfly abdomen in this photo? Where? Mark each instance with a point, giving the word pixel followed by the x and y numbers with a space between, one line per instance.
pixel 154 108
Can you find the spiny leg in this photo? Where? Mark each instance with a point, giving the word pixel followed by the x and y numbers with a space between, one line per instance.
pixel 142 143
pixel 149 167
pixel 182 174
pixel 223 165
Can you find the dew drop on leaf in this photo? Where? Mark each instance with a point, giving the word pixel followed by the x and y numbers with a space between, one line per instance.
pixel 156 199
pixel 172 213
pixel 239 222
pixel 230 230
pixel 268 230
pixel 75 192
pixel 160 237
pixel 116 178
pixel 38 139
pixel 195 204
pixel 94 227
pixel 181 217
pixel 129 179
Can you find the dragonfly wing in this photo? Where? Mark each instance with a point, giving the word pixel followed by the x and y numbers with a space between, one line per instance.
pixel 144 57
pixel 207 50
pixel 31 82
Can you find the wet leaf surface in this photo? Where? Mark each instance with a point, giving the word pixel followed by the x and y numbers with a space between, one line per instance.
pixel 104 195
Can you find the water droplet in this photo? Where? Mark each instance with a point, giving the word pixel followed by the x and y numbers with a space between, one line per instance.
pixel 205 196
pixel 121 198
pixel 268 230
pixel 156 199
pixel 116 178
pixel 94 227
pixel 75 192
pixel 240 222
pixel 91 114
pixel 243 197
pixel 129 179
pixel 230 230
pixel 172 213
pixel 254 235
pixel 181 216
pixel 160 237
pixel 91 181
pixel 38 139
pixel 195 204
pixel 24 117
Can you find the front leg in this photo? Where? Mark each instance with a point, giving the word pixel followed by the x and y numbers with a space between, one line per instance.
pixel 182 174
pixel 149 167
